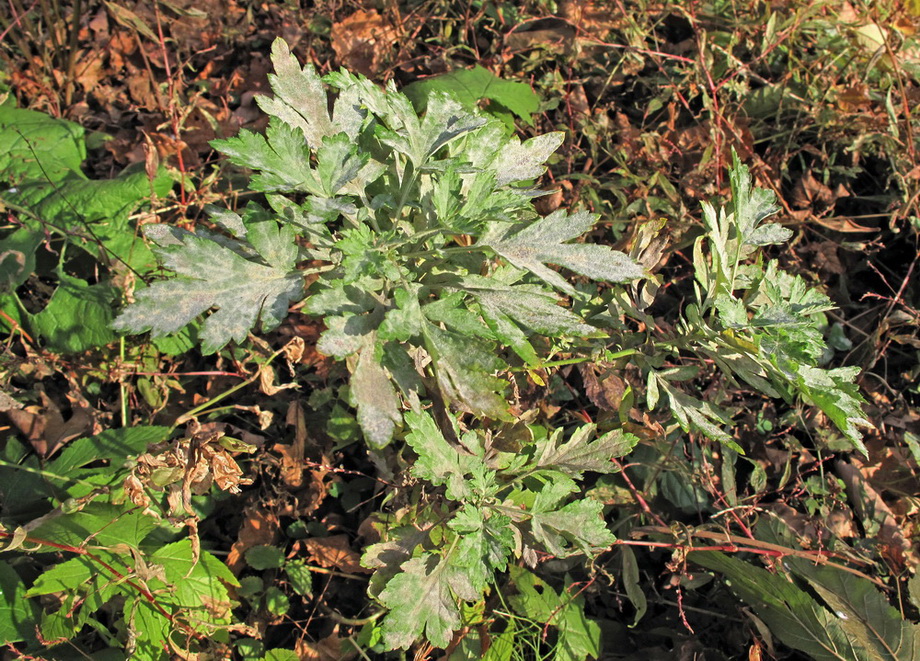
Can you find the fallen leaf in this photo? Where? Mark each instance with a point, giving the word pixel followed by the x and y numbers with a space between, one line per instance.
pixel 335 552
pixel 260 528
pixel 362 41
pixel 330 648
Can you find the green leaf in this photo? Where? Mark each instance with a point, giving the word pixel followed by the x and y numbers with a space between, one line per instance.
pixel 419 139
pixel 78 316
pixel 469 86
pixel 112 445
pixel 438 461
pixel 194 584
pixel 579 454
pixel 579 637
pixel 630 579
pixel 576 527
pixel 485 540
pixel 345 336
pixel 299 577
pixel 752 206
pixel 263 556
pixel 421 603
pixel 276 602
pixel 511 160
pixel 149 627
pixel 696 415
pixel 17 257
pixel 515 311
pixel 34 146
pixel 545 242
pixel 95 214
pixel 17 614
pixel 210 275
pixel 792 615
pixel 834 392
pixel 102 523
pixel 300 99
pixel 281 158
pixel 464 372
pixel 864 612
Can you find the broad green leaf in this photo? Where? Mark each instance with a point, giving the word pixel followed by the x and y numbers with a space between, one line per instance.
pixel 276 602
pixel 94 214
pixel 421 603
pixel 469 86
pixel 299 577
pixel 792 614
pixel 194 584
pixel 85 582
pixel 374 396
pixel 544 242
pixel 34 146
pixel 209 275
pixel 580 453
pixel 112 446
pixel 150 629
pixel 22 492
pixel 104 524
pixel 17 614
pixel 263 556
pixel 864 612
pixel 17 256
pixel 78 316
pixel 579 637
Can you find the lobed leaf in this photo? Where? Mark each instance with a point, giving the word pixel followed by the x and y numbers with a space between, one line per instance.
pixel 545 242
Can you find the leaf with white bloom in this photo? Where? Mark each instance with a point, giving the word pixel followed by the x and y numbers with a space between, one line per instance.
pixel 438 461
pixel 374 396
pixel 575 527
pixel 208 275
pixel 421 603
pixel 545 242
pixel 580 453
pixel 300 98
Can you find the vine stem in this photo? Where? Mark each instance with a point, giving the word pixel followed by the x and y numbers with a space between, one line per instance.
pixel 734 544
